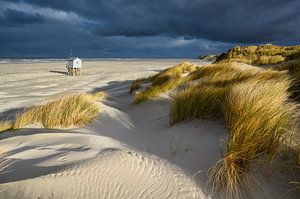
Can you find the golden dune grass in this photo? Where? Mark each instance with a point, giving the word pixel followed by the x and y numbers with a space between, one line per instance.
pixel 255 106
pixel 230 73
pixel 137 83
pixel 6 126
pixel 71 110
pixel 266 60
pixel 197 102
pixel 260 120
pixel 214 81
pixel 162 82
pixel 260 55
pixel 293 68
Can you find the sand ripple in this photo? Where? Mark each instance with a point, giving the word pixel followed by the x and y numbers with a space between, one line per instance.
pixel 113 174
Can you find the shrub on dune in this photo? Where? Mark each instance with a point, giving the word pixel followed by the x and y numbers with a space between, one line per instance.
pixel 162 82
pixel 72 110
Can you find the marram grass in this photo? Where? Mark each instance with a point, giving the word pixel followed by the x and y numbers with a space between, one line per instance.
pixel 197 102
pixel 254 104
pixel 261 55
pixel 211 83
pixel 260 120
pixel 71 110
pixel 293 68
pixel 232 73
pixel 162 82
pixel 6 126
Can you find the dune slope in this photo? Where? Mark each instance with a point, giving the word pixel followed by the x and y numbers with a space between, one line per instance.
pixel 113 174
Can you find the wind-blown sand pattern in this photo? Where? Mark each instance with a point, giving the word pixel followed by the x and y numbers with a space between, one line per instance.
pixel 113 174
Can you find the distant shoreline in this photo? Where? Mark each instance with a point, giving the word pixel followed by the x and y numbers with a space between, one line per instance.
pixel 48 60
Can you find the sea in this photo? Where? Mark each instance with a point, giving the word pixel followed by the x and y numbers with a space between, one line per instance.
pixel 47 60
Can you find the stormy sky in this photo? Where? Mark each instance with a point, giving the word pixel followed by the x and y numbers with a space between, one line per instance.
pixel 143 28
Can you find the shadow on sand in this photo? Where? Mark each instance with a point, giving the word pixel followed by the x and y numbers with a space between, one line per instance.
pixel 11 113
pixel 21 169
pixel 59 72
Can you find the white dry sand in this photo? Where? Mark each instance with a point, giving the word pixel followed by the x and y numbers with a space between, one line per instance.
pixel 129 151
pixel 112 174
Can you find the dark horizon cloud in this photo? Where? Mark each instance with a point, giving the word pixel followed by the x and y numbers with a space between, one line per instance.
pixel 143 28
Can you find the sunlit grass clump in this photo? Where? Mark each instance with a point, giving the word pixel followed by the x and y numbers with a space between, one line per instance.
pixel 162 82
pixel 269 60
pixel 6 126
pixel 267 54
pixel 211 84
pixel 72 110
pixel 260 121
pixel 293 68
pixel 255 105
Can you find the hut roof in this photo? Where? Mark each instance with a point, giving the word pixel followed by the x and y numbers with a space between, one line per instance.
pixel 72 58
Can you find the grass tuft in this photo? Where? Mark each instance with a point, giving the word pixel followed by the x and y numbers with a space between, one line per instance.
pixel 6 126
pixel 293 68
pixel 161 82
pixel 197 102
pixel 72 110
pixel 260 119
pixel 228 174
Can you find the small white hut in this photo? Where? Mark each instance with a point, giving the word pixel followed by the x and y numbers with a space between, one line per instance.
pixel 74 66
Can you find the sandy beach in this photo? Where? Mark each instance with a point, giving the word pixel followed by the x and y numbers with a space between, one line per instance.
pixel 128 151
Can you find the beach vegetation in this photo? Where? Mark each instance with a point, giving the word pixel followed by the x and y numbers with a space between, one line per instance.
pixel 293 68
pixel 161 82
pixel 68 111
pixel 260 120
pixel 6 126
pixel 255 106
pixel 267 54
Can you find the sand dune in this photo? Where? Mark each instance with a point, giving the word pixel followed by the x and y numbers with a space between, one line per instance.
pixel 113 174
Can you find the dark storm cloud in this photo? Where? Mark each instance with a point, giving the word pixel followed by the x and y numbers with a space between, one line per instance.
pixel 230 21
pixel 19 17
pixel 148 27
